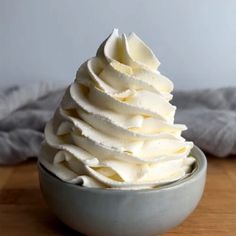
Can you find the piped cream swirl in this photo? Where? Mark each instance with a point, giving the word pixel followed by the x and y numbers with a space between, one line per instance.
pixel 115 125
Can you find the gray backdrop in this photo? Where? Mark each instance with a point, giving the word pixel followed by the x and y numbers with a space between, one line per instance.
pixel 48 39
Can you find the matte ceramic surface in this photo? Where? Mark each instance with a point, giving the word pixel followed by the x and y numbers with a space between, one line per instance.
pixel 101 212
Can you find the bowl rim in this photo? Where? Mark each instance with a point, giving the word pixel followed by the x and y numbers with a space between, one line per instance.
pixel 200 170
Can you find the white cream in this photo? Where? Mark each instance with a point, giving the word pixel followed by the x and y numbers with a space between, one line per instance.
pixel 115 126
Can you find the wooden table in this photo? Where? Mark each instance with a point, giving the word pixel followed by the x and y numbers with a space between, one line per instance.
pixel 24 213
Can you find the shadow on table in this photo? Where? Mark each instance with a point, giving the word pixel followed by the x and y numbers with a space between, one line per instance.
pixel 45 222
pixel 61 229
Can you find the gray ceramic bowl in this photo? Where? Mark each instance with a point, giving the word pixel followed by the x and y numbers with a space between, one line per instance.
pixel 101 212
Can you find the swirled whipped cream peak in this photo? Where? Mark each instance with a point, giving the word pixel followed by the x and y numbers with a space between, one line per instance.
pixel 115 125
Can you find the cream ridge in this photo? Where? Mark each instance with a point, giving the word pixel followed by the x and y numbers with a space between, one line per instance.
pixel 115 125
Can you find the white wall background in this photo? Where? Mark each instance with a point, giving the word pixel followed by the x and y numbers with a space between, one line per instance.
pixel 49 39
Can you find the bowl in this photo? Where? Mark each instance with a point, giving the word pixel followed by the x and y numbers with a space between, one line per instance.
pixel 109 212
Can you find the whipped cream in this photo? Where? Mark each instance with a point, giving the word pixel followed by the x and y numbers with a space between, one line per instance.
pixel 115 125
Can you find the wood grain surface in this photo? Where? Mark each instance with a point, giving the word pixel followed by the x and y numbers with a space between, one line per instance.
pixel 24 213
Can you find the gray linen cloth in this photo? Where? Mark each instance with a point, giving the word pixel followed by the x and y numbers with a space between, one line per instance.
pixel 24 110
pixel 209 114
